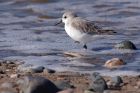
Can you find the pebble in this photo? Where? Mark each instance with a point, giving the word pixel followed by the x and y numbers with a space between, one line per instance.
pixel 117 81
pixel 10 62
pixel 14 75
pixel 98 83
pixel 114 62
pixel 24 67
pixel 7 85
pixel 1 71
pixel 126 45
pixel 107 91
pixel 89 91
pixel 63 84
pixel 38 69
pixel 36 84
pixel 67 91
pixel 27 68
pixel 137 85
pixel 6 91
pixel 47 70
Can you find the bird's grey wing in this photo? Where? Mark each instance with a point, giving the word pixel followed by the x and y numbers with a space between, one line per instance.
pixel 89 28
pixel 84 26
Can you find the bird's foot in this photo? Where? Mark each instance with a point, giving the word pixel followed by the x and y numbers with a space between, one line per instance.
pixel 85 46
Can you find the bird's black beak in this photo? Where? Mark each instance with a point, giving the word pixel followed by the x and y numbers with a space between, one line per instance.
pixel 59 22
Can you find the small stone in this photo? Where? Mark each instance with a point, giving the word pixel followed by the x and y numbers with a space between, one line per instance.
pixel 36 84
pixel 7 85
pixel 117 81
pixel 24 68
pixel 138 76
pixel 9 62
pixel 37 69
pixel 2 72
pixel 98 83
pixel 138 83
pixel 136 87
pixel 114 62
pixel 67 91
pixel 47 70
pixel 7 70
pixel 63 84
pixel 125 45
pixel 89 91
pixel 6 91
pixel 14 75
pixel 109 83
pixel 107 91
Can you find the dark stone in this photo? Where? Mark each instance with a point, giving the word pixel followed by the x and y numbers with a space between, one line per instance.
pixel 2 72
pixel 125 45
pixel 117 81
pixel 37 84
pixel 98 83
pixel 38 69
pixel 138 76
pixel 49 70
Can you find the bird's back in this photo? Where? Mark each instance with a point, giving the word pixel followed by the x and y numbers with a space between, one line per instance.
pixel 88 27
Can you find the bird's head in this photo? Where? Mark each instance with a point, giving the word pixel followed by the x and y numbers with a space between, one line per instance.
pixel 68 16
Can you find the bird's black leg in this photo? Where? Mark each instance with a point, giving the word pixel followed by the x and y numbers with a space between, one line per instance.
pixel 85 46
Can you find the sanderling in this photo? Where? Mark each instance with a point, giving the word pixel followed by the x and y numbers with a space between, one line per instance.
pixel 79 29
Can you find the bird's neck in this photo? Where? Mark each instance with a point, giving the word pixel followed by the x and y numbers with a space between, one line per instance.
pixel 68 21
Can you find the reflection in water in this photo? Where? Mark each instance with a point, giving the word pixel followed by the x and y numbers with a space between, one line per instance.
pixel 27 32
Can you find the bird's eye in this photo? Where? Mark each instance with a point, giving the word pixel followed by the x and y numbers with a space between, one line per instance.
pixel 65 17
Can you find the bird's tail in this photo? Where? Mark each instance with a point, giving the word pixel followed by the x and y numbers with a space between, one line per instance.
pixel 107 31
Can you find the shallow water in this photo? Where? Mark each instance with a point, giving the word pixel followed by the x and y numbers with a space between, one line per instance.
pixel 28 33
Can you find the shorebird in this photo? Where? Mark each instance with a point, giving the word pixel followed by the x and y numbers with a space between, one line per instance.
pixel 81 30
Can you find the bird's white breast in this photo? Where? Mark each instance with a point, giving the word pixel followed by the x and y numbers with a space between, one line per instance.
pixel 77 35
pixel 73 33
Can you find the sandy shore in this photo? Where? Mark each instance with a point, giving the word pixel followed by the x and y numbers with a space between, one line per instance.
pixel 81 82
